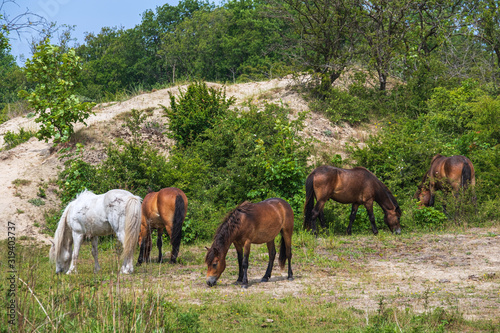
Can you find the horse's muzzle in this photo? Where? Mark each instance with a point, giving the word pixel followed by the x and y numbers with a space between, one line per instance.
pixel 211 281
pixel 397 231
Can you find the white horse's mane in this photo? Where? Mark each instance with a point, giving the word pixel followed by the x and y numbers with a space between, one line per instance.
pixel 55 251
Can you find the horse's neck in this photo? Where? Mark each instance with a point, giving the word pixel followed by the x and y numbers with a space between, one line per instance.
pixel 225 238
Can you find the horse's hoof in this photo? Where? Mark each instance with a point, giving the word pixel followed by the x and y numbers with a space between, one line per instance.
pixel 244 286
pixel 290 278
pixel 264 280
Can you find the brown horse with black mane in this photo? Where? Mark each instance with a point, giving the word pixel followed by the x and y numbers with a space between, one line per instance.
pixel 252 223
pixel 163 209
pixel 357 186
pixel 445 174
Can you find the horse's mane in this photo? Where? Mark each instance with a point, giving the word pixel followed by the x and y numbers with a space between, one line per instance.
pixel 228 227
pixel 55 251
pixel 386 190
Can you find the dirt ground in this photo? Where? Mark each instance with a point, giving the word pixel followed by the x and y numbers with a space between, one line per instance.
pixel 458 271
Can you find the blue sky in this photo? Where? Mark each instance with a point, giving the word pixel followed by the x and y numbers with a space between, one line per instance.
pixel 87 16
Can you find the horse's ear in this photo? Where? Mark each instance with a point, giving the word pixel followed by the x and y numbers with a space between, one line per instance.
pixel 207 248
pixel 52 242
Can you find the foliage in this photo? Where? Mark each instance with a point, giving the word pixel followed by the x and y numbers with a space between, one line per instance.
pixel 54 97
pixel 197 109
pixel 12 139
pixel 400 153
pixel 429 218
pixel 342 106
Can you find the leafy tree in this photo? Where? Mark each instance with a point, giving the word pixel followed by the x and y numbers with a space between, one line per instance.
pixel 54 98
pixel 324 33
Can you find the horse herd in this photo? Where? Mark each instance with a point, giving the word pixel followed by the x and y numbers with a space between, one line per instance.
pixel 132 219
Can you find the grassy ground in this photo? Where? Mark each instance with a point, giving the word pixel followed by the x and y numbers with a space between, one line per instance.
pixel 341 284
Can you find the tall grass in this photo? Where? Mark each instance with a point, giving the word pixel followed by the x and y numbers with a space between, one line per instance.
pixel 174 298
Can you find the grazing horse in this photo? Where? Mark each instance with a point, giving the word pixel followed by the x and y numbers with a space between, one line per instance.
pixel 357 186
pixel 445 174
pixel 167 209
pixel 252 223
pixel 91 215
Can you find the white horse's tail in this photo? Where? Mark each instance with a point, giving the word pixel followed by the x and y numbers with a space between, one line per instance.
pixel 132 225
pixel 59 235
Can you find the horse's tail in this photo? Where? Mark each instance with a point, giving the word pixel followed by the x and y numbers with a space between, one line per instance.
pixel 132 225
pixel 179 213
pixel 59 235
pixel 309 204
pixel 466 175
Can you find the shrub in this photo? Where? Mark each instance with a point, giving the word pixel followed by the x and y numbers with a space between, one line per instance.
pixel 197 109
pixel 12 139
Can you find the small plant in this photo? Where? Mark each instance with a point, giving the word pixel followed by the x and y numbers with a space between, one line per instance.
pixel 12 139
pixel 41 192
pixel 36 202
pixel 21 182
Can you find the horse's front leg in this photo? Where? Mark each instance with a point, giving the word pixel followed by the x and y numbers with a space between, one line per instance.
pixel 432 191
pixel 239 251
pixel 352 217
pixel 369 209
pixel 159 243
pixel 77 241
pixel 246 254
pixel 97 268
pixel 271 248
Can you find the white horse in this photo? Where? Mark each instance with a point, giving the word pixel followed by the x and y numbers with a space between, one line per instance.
pixel 91 215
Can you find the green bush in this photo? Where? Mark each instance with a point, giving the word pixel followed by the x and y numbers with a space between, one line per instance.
pixel 197 109
pixel 12 139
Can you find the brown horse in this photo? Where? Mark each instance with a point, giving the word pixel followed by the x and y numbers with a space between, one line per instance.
pixel 357 186
pixel 163 209
pixel 445 174
pixel 252 223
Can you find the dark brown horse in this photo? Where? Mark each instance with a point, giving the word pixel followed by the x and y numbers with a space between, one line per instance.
pixel 445 174
pixel 252 223
pixel 357 186
pixel 165 209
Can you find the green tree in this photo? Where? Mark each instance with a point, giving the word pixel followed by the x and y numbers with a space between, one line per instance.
pixel 324 33
pixel 53 98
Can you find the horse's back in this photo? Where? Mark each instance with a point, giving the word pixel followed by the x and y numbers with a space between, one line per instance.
pixel 262 221
pixel 346 185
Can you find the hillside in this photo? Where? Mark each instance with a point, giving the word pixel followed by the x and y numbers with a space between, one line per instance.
pixel 33 165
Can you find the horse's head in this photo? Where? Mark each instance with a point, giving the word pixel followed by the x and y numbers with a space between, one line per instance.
pixel 216 263
pixel 423 195
pixel 391 218
pixel 62 258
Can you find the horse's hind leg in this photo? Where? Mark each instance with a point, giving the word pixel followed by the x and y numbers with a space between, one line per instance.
pixel 317 211
pixel 77 241
pixel 97 268
pixel 352 217
pixel 272 254
pixel 159 243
